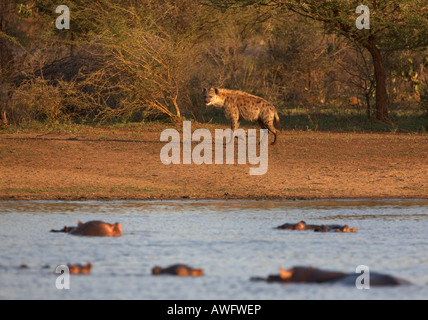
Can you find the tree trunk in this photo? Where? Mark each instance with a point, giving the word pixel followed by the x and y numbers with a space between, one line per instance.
pixel 380 78
pixel 368 110
pixel 3 43
pixel 177 109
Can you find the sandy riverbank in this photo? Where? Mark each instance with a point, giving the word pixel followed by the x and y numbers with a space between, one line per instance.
pixel 124 163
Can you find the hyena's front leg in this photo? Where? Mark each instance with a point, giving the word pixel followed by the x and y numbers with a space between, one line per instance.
pixel 234 125
pixel 238 133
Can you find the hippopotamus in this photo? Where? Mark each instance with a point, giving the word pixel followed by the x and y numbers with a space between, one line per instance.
pixel 178 270
pixel 317 228
pixel 95 229
pixel 313 275
pixel 80 269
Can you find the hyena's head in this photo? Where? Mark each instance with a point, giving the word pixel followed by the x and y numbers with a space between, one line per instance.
pixel 211 97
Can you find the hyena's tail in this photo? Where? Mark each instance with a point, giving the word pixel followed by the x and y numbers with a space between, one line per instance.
pixel 277 123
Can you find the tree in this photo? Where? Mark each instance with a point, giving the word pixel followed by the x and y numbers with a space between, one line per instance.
pixel 362 76
pixel 393 26
pixel 124 57
pixel 10 11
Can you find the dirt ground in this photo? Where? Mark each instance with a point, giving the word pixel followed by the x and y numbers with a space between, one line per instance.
pixel 124 163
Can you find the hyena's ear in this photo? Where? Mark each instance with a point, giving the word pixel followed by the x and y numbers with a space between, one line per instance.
pixel 204 90
pixel 216 91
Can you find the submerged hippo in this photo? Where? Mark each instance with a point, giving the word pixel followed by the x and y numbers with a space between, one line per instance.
pixel 317 228
pixel 178 270
pixel 314 275
pixel 95 229
pixel 80 269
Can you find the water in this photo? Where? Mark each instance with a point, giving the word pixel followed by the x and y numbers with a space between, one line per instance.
pixel 231 240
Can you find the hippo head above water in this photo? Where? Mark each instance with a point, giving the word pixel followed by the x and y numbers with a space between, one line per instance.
pixel 94 229
pixel 80 269
pixel 302 225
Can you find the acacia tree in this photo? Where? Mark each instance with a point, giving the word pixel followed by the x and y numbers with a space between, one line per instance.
pixel 393 26
pixel 120 57
pixel 10 12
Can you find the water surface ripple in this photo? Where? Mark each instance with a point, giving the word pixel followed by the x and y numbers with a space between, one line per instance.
pixel 231 240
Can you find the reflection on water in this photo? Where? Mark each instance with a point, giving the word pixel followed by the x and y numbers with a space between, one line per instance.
pixel 231 240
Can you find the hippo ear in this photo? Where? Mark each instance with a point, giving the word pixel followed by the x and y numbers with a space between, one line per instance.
pixel 79 222
pixel 216 90
pixel 117 227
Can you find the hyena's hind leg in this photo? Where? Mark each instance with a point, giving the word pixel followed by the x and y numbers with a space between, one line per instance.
pixel 272 129
pixel 261 124
pixel 266 119
pixel 263 127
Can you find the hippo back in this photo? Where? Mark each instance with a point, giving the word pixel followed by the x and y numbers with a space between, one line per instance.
pixel 98 229
pixel 376 279
pixel 314 275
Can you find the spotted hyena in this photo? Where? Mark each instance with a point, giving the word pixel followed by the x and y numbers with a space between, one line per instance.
pixel 241 105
